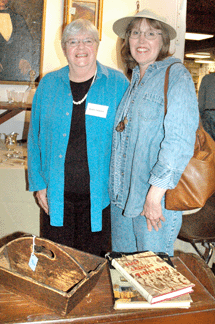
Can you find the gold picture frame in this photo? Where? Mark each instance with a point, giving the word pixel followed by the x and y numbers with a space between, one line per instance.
pixel 85 9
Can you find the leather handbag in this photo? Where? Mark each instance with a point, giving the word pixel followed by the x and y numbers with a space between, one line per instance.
pixel 197 182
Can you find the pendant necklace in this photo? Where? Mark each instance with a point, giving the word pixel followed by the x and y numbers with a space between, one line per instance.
pixel 84 98
pixel 121 126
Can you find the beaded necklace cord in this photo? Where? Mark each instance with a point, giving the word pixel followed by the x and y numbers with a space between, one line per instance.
pixel 84 98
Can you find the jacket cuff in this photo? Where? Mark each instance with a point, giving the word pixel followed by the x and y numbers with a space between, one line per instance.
pixel 164 178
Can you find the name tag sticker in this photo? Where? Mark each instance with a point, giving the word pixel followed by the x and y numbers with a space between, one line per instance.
pixel 97 110
pixel 33 261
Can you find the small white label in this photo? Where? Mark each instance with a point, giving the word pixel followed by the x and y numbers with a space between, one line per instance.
pixel 72 11
pixel 97 110
pixel 33 261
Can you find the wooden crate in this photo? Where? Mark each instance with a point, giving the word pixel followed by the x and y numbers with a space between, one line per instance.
pixel 63 276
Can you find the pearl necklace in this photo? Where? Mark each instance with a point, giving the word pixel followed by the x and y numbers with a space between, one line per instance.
pixel 84 98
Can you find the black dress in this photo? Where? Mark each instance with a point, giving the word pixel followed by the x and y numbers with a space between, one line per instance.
pixel 76 231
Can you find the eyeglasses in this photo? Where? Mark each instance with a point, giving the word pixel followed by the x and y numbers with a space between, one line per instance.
pixel 150 35
pixel 75 42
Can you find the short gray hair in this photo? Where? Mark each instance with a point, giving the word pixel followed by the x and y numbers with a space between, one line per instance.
pixel 79 26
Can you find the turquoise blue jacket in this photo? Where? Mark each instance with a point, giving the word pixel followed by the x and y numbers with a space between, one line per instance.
pixel 49 134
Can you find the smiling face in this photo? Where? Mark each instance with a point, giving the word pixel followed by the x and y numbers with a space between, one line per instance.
pixel 144 51
pixel 81 58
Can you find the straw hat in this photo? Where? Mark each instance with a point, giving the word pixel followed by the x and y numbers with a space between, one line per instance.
pixel 120 26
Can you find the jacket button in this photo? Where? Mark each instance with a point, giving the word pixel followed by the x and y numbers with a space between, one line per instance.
pixel 64 135
pixel 67 114
pixel 60 156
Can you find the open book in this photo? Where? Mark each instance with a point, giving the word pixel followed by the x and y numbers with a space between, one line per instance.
pixel 152 277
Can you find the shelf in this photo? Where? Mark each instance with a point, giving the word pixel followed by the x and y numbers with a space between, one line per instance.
pixel 12 109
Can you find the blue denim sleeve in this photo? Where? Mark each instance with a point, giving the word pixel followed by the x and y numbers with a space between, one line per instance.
pixel 180 125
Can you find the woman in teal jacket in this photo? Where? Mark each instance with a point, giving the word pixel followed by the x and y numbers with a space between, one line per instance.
pixel 69 143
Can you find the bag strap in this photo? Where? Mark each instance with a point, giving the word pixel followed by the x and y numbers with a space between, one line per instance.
pixel 166 82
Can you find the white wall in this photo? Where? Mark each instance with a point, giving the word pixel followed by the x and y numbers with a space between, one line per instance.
pixel 174 10
pixel 112 10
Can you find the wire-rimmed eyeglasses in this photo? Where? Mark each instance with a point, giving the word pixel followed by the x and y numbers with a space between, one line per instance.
pixel 150 34
pixel 86 41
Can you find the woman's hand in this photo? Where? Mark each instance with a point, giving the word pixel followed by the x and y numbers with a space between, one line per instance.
pixel 152 209
pixel 42 200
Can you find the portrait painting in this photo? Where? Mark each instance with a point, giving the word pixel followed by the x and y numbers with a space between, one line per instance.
pixel 21 28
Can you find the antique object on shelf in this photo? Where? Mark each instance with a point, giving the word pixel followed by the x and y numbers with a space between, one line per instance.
pixel 59 280
pixel 10 140
pixel 29 93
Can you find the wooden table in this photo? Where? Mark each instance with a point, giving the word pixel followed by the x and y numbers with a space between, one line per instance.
pixel 97 307
pixel 12 109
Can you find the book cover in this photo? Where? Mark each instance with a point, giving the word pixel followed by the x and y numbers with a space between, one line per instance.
pixel 152 277
pixel 127 297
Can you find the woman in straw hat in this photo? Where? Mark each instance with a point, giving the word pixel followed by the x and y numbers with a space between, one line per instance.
pixel 150 152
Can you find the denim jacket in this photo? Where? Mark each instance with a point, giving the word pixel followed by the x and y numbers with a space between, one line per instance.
pixel 49 134
pixel 152 150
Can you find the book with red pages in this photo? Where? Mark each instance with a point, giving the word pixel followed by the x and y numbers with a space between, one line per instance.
pixel 152 277
pixel 127 297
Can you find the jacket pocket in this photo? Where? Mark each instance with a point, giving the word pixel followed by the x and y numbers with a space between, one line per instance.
pixel 150 107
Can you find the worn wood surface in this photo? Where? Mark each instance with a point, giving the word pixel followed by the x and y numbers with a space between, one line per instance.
pixel 97 306
pixel 200 269
pixel 63 276
pixel 49 268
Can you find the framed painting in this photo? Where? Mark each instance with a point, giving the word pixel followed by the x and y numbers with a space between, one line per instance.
pixel 21 39
pixel 85 9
